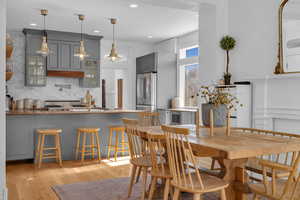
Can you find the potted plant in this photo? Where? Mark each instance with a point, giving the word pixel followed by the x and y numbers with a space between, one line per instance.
pixel 220 102
pixel 227 43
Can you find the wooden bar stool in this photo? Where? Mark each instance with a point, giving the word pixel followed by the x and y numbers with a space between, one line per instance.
pixel 118 146
pixel 40 155
pixel 88 149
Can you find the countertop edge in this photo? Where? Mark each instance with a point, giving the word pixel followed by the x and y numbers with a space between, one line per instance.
pixel 12 113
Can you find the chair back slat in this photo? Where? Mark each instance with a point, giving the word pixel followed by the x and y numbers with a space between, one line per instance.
pixel 149 119
pixel 157 147
pixel 135 143
pixel 181 158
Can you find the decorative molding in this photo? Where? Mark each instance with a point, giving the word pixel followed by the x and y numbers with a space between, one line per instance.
pixel 266 117
pixel 272 77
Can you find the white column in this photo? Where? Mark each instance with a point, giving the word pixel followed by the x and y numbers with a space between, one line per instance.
pixel 2 99
pixel 213 24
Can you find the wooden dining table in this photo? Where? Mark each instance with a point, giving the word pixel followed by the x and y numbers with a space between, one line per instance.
pixel 232 151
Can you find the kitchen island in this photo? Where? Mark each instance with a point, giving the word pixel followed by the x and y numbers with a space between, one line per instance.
pixel 21 126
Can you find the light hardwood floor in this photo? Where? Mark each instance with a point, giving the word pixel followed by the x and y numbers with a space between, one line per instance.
pixel 27 182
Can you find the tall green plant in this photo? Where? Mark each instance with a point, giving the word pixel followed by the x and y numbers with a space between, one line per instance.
pixel 227 43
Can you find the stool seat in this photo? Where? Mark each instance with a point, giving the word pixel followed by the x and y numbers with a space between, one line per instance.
pixel 40 155
pixel 87 149
pixel 118 130
pixel 116 127
pixel 49 131
pixel 88 130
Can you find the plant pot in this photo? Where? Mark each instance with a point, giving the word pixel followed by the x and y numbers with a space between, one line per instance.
pixel 227 79
pixel 219 113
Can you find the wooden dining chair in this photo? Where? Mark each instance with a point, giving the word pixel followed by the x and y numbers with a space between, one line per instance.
pixel 149 118
pixel 276 188
pixel 253 165
pixel 139 154
pixel 160 167
pixel 181 160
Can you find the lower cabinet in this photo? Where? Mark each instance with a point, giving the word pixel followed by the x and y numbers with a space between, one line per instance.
pixel 19 138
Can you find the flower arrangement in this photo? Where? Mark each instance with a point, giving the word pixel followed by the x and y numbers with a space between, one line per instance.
pixel 218 96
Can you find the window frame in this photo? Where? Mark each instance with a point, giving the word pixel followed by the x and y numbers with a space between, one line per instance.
pixel 183 61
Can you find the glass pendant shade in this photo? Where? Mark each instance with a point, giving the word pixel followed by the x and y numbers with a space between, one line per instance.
pixel 44 50
pixel 81 53
pixel 113 55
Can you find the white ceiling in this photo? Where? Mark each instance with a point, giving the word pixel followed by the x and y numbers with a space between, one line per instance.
pixel 161 19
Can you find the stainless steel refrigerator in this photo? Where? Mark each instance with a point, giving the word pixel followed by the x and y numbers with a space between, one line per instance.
pixel 146 91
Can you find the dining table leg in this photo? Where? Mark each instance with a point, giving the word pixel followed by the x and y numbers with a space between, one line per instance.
pixel 233 174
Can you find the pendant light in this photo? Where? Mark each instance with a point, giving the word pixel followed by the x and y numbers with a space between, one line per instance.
pixel 113 55
pixel 44 50
pixel 81 53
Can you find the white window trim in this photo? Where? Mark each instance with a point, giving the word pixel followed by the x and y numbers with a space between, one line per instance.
pixel 181 73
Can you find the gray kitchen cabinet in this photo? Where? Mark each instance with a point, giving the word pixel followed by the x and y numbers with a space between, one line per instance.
pixel 20 138
pixel 52 59
pixel 63 46
pixel 92 48
pixel 35 65
pixel 65 55
pixel 75 61
pixel 91 77
pixel 146 63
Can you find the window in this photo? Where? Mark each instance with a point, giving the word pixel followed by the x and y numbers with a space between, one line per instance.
pixel 191 84
pixel 189 52
pixel 188 75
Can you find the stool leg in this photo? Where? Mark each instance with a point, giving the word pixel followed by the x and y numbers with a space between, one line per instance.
pixel 98 147
pixel 37 151
pixel 109 144
pixel 58 146
pixel 77 146
pixel 116 144
pixel 123 143
pixel 41 153
pixel 83 147
pixel 93 145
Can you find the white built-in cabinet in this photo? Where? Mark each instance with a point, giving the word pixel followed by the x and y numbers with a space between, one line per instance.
pixel 242 116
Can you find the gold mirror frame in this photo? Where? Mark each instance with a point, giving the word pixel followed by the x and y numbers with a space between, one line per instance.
pixel 279 69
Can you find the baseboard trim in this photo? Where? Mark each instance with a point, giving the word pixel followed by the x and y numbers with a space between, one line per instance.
pixel 4 195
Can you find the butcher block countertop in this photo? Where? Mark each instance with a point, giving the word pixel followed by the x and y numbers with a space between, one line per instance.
pixel 38 112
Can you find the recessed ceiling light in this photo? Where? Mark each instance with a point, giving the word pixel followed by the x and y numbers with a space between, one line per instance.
pixel 133 5
pixel 33 24
pixel 96 31
pixel 150 36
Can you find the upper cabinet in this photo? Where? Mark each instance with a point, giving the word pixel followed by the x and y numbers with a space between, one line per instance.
pixel 63 46
pixel 36 67
pixel 146 64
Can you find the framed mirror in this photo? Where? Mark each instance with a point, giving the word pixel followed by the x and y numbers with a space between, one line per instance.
pixel 289 37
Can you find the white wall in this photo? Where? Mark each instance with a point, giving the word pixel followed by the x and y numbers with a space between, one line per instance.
pixel 166 72
pixel 276 98
pixel 130 50
pixel 2 99
pixel 125 69
pixel 254 25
